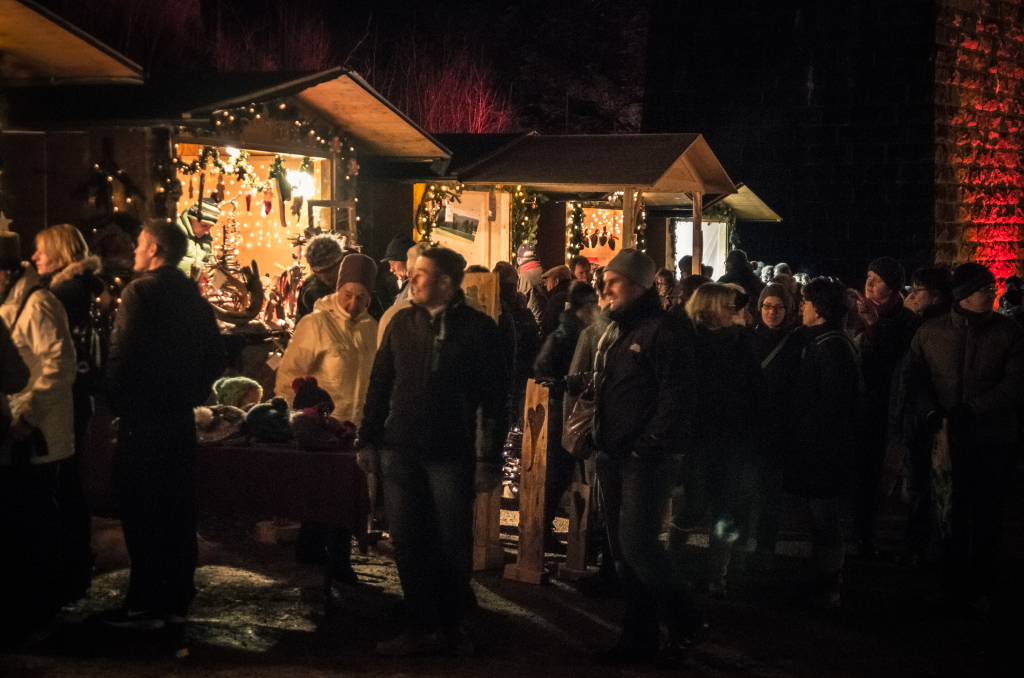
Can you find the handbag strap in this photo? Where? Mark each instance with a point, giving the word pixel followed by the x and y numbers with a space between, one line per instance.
pixel 24 302
pixel 775 351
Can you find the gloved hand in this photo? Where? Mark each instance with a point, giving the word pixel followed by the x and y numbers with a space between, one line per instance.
pixel 488 477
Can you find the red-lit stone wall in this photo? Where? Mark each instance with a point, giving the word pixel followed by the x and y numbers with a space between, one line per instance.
pixel 979 74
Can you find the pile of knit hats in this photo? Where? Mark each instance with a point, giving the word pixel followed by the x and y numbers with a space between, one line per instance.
pixel 268 422
pixel 312 424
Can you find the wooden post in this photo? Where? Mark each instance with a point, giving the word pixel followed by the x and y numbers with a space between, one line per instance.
pixel 670 252
pixel 698 233
pixel 628 218
pixel 487 551
pixel 529 567
pixel 580 496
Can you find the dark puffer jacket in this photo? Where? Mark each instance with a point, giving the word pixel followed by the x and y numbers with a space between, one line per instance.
pixel 882 347
pixel 780 380
pixel 974 360
pixel 556 354
pixel 430 377
pixel 818 464
pixel 643 393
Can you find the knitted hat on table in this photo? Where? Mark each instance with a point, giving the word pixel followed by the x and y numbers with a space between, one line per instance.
pixel 309 394
pixel 268 422
pixel 233 391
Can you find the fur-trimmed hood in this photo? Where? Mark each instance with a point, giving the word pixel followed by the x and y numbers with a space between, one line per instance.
pixel 91 264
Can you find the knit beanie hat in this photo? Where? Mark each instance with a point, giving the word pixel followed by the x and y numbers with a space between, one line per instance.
pixel 323 251
pixel 398 248
pixel 580 294
pixel 358 268
pixel 268 422
pixel 526 253
pixel 969 278
pixel 233 390
pixel 10 251
pixel 211 211
pixel 309 394
pixel 890 271
pixel 635 266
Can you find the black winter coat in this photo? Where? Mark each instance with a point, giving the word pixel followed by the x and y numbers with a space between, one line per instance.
pixel 780 381
pixel 165 349
pixel 552 314
pixel 726 415
pixel 642 401
pixel 818 463
pixel 556 354
pixel 882 348
pixel 431 377
pixel 978 361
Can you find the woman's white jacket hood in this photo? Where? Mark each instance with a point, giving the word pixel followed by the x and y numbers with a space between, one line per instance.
pixel 336 349
pixel 44 341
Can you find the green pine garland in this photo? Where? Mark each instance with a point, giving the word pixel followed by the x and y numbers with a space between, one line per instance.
pixel 431 207
pixel 640 230
pixel 523 220
pixel 575 239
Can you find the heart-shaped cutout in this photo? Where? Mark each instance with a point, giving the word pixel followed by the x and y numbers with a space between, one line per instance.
pixel 535 417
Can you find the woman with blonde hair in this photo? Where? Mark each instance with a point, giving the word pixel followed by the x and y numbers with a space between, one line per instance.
pixel 69 270
pixel 725 424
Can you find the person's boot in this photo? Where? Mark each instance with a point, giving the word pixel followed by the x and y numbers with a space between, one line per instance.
pixel 639 642
pixel 674 654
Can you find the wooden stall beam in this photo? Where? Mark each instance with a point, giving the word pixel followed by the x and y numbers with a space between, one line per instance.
pixel 698 233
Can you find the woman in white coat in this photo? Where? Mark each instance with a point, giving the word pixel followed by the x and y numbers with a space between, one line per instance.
pixel 336 343
pixel 38 437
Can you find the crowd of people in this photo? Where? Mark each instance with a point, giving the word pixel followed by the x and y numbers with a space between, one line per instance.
pixel 704 402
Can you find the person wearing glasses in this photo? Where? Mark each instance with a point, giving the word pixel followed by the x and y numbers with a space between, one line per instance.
pixel 967 383
pixel 778 347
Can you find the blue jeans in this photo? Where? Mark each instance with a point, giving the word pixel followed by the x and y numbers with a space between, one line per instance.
pixel 429 505
pixel 636 494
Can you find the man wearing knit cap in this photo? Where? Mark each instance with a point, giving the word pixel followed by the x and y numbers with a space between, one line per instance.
pixel 887 329
pixel 323 256
pixel 435 424
pixel 197 221
pixel 395 259
pixel 967 381
pixel 643 365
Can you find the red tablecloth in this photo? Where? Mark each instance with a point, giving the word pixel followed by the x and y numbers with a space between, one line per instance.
pixel 284 482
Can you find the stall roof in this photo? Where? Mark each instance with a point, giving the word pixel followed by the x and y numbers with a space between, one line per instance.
pixel 338 95
pixel 745 203
pixel 652 163
pixel 38 46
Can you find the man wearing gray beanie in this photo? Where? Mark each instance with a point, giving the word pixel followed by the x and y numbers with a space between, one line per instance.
pixel 967 383
pixel 643 366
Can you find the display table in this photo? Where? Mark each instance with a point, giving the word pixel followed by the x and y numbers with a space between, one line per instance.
pixel 278 481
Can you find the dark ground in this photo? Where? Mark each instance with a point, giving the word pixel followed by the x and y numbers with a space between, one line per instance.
pixel 259 614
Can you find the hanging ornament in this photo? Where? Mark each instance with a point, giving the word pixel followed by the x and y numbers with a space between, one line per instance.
pixel 220 188
pixel 297 206
pixel 248 201
pixel 190 189
pixel 604 237
pixel 611 243
pixel 593 240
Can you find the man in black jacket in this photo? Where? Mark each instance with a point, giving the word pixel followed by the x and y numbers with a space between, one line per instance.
pixel 967 375
pixel 643 363
pixel 434 422
pixel 165 352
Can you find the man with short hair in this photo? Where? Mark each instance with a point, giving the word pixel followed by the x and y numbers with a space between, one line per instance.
pixel 967 376
pixel 643 366
pixel 196 223
pixel 579 265
pixel 434 424
pixel 165 352
pixel 323 256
